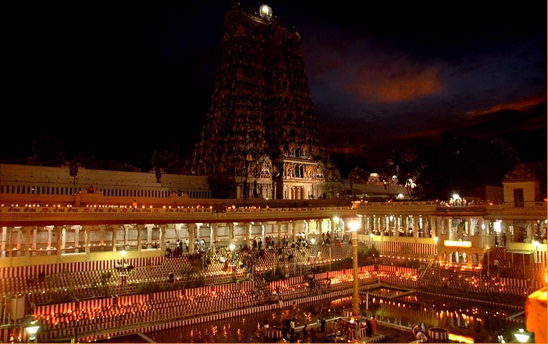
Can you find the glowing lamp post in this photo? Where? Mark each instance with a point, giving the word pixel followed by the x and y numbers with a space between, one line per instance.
pixel 353 320
pixel 312 259
pixel 354 227
pixel 123 254
pixel 232 247
pixel 522 336
pixel 436 240
pixel 32 328
pixel 488 261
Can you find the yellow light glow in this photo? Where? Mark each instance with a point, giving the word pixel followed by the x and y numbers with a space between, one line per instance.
pixel 453 243
pixel 354 226
pixel 522 336
pixel 460 339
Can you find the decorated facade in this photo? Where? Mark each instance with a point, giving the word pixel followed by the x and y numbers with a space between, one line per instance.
pixel 261 136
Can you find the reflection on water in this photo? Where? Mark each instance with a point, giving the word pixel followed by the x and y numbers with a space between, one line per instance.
pixel 481 321
pixel 386 292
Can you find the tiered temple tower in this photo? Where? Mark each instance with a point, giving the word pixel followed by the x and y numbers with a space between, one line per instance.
pixel 261 136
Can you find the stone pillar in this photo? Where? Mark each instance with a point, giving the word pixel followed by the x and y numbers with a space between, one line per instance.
pixel 198 226
pixel 125 228
pixel 230 233
pixel 191 237
pixel 291 231
pixel 306 229
pixel 319 228
pixel 380 223
pixel 9 239
pixel 87 248
pixel 49 240
pixel 102 236
pixel 427 226
pixel 114 241
pixel 18 241
pixel 477 229
pixel 484 224
pixel 34 239
pixel 149 236
pixel 529 232
pixel 449 226
pixel 140 227
pixel 247 227
pixel 415 226
pixel 64 231
pixel 28 240
pixel 77 239
pixel 163 238
pixel 4 241
pixel 443 225
pixel 212 236
pixel 59 230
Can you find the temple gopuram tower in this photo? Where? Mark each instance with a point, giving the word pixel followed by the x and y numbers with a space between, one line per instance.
pixel 261 136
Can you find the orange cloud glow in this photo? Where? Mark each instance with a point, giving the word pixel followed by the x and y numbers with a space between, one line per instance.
pixel 397 85
pixel 346 149
pixel 518 105
pixel 422 134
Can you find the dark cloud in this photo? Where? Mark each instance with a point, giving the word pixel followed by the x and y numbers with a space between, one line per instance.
pixel 122 76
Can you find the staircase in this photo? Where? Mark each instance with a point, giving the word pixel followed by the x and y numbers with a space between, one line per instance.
pixel 430 274
pixel 427 268
pixel 262 285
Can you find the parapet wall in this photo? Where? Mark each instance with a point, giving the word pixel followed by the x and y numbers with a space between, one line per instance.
pixel 23 175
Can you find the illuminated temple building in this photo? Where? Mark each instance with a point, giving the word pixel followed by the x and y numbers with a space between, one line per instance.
pixel 261 136
pixel 259 171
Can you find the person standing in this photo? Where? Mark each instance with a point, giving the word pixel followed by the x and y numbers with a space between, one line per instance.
pixel 305 332
pixel 373 323
pixel 322 324
pixel 368 330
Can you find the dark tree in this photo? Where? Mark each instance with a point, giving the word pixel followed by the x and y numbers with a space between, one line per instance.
pixel 160 162
pixel 463 163
pixel 73 170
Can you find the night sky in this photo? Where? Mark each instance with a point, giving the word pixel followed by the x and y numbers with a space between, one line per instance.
pixel 116 79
